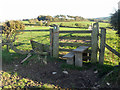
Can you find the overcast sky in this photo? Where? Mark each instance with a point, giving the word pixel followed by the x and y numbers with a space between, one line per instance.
pixel 23 9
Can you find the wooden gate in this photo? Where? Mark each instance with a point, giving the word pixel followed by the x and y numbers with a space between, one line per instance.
pixel 69 39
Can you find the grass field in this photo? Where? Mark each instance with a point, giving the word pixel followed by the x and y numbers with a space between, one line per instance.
pixel 23 43
pixel 73 23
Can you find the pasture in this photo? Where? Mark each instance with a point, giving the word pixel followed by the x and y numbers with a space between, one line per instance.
pixel 48 80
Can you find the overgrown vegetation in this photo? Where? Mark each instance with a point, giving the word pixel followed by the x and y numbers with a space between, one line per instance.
pixel 10 31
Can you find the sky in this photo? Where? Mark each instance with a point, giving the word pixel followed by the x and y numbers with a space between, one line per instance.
pixel 27 9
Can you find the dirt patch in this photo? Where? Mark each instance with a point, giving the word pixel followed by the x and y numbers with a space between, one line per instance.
pixel 36 71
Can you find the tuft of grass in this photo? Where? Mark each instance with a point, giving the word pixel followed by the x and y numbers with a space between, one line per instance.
pixel 103 69
pixel 113 78
pixel 9 57
pixel 73 67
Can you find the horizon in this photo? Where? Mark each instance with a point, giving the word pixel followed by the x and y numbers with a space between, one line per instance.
pixel 28 9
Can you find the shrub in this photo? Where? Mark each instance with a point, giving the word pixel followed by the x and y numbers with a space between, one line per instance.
pixel 115 21
pixel 79 24
pixel 10 30
pixel 76 24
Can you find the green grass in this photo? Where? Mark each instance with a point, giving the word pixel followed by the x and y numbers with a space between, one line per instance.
pixel 72 24
pixel 36 27
pixel 23 41
pixel 86 66
pixel 25 22
pixel 112 40
pixel 83 22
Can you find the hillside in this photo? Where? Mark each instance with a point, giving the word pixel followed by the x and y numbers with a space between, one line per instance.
pixel 103 18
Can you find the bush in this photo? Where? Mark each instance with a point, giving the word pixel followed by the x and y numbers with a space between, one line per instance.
pixel 10 30
pixel 76 24
pixel 79 24
pixel 82 25
pixel 115 21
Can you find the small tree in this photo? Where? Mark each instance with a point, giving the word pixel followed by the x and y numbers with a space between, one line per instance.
pixel 115 21
pixel 10 31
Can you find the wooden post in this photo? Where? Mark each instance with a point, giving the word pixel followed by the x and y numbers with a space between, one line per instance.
pixel 70 61
pixel 56 41
pixel 51 42
pixel 78 59
pixel 94 43
pixel 102 45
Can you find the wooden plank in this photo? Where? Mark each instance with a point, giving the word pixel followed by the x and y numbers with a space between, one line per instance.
pixel 77 38
pixel 102 45
pixel 70 61
pixel 81 49
pixel 68 50
pixel 76 31
pixel 78 59
pixel 94 43
pixel 85 57
pixel 65 50
pixel 69 55
pixel 43 30
pixel 112 50
pixel 74 44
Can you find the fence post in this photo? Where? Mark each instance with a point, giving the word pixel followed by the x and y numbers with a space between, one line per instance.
pixel 56 41
pixel 102 45
pixel 51 42
pixel 94 44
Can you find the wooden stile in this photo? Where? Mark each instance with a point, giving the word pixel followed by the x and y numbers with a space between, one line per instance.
pixel 102 46
pixel 79 55
pixel 94 43
pixel 56 41
pixel 77 31
pixel 77 38
pixel 51 42
pixel 74 44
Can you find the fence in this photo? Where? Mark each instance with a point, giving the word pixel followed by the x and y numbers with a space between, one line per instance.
pixel 92 41
pixel 55 39
pixel 103 45
pixel 55 43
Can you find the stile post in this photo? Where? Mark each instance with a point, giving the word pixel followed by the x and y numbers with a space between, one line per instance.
pixel 94 44
pixel 56 41
pixel 102 45
pixel 51 42
pixel 78 59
